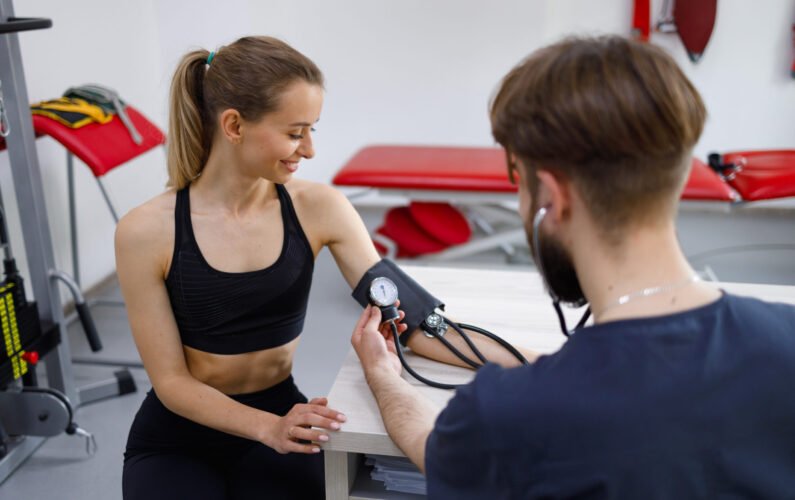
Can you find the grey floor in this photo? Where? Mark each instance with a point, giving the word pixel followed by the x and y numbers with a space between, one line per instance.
pixel 62 469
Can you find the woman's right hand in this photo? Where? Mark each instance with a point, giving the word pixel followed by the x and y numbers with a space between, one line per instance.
pixel 294 432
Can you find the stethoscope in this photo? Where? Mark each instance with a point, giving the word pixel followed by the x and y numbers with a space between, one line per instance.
pixel 539 216
pixel 383 293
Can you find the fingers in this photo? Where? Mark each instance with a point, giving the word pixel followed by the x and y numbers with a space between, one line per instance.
pixel 290 446
pixel 302 410
pixel 314 420
pixel 374 320
pixel 363 318
pixel 305 428
pixel 369 320
pixel 307 434
pixel 386 330
pixel 359 328
pixel 305 414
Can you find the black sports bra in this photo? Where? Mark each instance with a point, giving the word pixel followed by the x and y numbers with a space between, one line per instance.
pixel 233 313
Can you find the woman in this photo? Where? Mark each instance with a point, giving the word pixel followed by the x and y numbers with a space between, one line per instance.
pixel 216 272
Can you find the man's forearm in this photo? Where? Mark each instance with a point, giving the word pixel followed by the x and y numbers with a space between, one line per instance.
pixel 408 416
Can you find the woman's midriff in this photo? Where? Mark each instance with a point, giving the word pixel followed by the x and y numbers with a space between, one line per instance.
pixel 242 373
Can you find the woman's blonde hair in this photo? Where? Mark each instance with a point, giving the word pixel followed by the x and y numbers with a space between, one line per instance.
pixel 248 75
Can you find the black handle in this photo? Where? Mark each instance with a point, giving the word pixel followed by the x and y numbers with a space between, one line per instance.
pixel 88 326
pixel 715 162
pixel 389 313
pixel 15 24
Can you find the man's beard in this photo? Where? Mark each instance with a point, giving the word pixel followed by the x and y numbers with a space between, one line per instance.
pixel 555 265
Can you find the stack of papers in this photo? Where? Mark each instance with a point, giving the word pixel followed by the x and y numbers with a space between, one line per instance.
pixel 397 474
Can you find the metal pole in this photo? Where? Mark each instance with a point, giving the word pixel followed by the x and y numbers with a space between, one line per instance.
pixel 30 202
pixel 107 200
pixel 70 172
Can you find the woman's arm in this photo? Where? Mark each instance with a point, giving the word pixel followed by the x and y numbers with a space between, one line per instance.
pixel 354 252
pixel 491 350
pixel 144 241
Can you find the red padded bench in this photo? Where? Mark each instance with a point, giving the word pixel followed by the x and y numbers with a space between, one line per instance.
pixel 759 175
pixel 473 170
pixel 472 179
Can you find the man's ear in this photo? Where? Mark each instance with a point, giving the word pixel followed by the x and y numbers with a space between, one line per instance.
pixel 231 125
pixel 553 193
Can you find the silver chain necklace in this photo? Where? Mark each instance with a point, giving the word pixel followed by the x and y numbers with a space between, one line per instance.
pixel 647 292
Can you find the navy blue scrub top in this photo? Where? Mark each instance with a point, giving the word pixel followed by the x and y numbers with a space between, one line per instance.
pixel 699 404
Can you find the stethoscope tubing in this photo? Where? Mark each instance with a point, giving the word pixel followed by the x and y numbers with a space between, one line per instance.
pixel 460 329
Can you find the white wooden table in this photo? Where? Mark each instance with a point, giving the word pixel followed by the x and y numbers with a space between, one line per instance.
pixel 512 304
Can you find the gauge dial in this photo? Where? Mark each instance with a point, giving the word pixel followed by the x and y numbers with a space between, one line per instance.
pixel 383 292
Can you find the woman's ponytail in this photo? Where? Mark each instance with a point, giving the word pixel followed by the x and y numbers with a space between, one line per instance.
pixel 188 146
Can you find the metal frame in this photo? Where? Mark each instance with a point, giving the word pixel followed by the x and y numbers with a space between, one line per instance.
pixel 28 187
pixel 479 207
pixel 70 169
pixel 35 228
pixel 30 201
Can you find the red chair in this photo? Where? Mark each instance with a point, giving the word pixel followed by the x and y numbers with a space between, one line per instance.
pixel 102 148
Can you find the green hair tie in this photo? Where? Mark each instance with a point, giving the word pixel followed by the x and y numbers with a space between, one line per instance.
pixel 210 57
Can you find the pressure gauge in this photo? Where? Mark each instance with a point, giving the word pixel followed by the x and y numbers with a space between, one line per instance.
pixel 383 292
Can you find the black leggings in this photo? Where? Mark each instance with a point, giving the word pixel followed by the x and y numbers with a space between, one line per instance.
pixel 170 457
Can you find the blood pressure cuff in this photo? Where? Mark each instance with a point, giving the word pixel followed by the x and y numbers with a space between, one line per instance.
pixel 415 300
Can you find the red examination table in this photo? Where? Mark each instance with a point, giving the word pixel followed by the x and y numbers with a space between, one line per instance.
pixel 474 181
pixel 758 175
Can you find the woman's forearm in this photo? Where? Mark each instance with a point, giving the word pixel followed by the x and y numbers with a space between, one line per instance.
pixel 434 349
pixel 208 406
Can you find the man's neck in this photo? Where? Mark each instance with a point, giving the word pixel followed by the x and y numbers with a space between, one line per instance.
pixel 649 259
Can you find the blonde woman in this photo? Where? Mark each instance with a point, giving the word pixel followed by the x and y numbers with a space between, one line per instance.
pixel 216 274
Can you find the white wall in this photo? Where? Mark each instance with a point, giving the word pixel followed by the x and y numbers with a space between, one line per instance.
pixel 91 41
pixel 407 71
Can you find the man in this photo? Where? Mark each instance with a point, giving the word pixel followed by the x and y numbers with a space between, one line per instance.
pixel 678 390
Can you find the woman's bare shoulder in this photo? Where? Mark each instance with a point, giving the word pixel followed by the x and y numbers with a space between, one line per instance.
pixel 327 216
pixel 314 196
pixel 148 227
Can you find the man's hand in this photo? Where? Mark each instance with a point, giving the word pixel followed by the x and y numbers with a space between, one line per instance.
pixel 375 346
pixel 408 416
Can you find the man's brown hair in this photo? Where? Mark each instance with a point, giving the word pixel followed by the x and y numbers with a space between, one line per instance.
pixel 618 118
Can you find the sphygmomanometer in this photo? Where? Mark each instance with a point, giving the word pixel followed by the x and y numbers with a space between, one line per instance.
pixel 385 282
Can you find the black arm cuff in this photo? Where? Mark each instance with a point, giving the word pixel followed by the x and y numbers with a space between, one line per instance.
pixel 415 300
